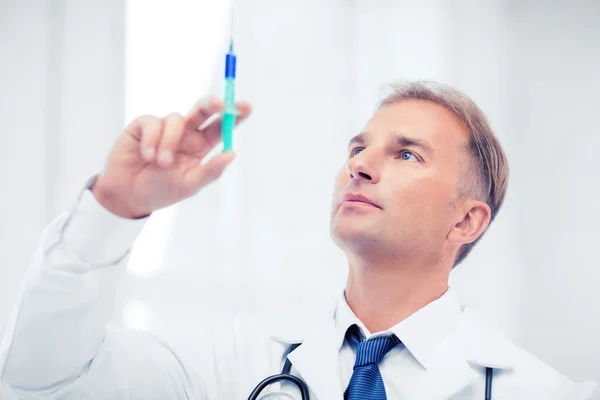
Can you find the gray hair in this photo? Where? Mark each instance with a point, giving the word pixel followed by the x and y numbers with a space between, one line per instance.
pixel 486 175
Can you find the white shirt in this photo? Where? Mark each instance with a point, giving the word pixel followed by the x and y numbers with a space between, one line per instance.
pixel 406 363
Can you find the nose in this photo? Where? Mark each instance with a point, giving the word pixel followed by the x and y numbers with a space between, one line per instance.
pixel 364 166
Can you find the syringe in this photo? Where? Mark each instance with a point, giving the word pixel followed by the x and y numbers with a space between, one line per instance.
pixel 229 113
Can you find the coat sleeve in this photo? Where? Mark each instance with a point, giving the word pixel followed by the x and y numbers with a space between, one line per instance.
pixel 59 343
pixel 587 391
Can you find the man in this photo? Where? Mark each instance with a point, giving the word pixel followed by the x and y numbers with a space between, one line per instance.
pixel 421 184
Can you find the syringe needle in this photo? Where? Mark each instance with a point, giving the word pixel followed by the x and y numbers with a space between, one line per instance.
pixel 231 33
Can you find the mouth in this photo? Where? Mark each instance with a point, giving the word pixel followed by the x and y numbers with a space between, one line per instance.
pixel 358 199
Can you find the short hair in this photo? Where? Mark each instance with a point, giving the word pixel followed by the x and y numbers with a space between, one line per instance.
pixel 485 175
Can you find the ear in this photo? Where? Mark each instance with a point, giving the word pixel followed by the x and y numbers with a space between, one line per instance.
pixel 476 217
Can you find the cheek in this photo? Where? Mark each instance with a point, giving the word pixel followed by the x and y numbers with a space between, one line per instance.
pixel 341 181
pixel 426 196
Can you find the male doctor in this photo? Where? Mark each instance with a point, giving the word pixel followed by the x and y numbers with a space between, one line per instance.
pixel 421 184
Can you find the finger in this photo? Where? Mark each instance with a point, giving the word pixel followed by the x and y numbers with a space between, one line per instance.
pixel 212 132
pixel 150 128
pixel 203 109
pixel 173 128
pixel 203 174
pixel 244 110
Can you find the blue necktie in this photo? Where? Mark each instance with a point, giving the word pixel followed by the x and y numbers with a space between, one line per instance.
pixel 366 382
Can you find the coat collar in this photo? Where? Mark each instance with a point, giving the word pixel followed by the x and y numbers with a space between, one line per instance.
pixel 484 345
pixel 462 359
pixel 452 367
pixel 420 333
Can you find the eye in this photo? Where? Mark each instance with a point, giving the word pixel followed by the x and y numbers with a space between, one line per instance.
pixel 355 151
pixel 406 155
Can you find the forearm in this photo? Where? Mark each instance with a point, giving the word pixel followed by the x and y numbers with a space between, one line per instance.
pixel 67 299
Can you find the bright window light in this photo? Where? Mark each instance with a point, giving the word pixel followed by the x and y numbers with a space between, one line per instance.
pixel 171 51
pixel 136 315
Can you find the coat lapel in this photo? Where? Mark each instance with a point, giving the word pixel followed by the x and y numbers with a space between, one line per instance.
pixel 473 345
pixel 317 361
pixel 450 374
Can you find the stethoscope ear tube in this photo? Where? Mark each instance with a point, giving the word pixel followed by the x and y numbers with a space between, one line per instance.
pixel 280 377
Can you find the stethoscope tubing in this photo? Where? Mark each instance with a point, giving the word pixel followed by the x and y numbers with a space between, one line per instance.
pixel 280 377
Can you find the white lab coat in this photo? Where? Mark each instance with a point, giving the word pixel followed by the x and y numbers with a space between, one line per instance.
pixel 59 346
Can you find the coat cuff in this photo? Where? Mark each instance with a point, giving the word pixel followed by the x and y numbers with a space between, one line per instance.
pixel 97 236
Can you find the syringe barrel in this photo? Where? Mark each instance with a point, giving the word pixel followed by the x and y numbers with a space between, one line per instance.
pixel 229 115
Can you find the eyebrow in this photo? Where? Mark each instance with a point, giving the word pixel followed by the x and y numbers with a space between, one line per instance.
pixel 401 139
pixel 358 139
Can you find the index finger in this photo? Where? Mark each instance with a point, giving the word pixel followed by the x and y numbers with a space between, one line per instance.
pixel 203 109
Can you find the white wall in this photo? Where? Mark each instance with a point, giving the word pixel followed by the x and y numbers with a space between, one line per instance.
pixel 61 108
pixel 556 64
pixel 313 71
pixel 23 118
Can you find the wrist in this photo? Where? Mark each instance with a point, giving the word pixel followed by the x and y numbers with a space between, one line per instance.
pixel 112 201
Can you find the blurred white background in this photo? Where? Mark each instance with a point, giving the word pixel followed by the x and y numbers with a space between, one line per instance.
pixel 72 72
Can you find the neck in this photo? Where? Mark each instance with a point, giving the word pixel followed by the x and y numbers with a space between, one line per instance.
pixel 381 293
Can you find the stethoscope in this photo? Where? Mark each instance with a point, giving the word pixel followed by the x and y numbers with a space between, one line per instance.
pixel 286 376
pixel 283 376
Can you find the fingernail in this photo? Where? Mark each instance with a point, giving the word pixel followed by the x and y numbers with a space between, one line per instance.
pixel 165 158
pixel 148 154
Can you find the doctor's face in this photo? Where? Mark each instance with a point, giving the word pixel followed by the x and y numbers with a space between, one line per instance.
pixel 395 192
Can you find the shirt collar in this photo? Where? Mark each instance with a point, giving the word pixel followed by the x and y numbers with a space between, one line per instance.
pixel 421 333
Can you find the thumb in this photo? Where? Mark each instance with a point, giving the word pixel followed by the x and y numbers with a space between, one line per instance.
pixel 203 174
